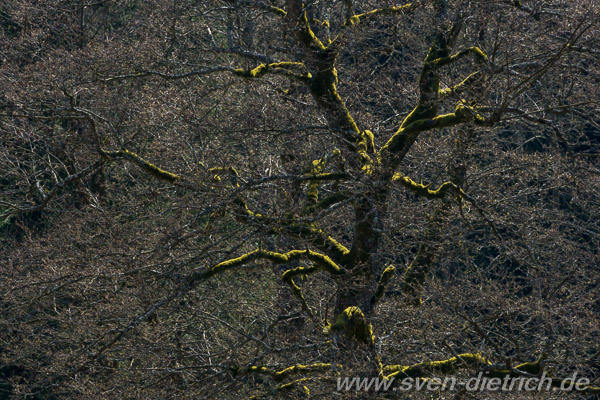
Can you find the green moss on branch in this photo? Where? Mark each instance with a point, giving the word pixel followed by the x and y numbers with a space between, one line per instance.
pixel 462 86
pixel 432 368
pixel 312 191
pixel 359 18
pixel 386 276
pixel 290 371
pixel 401 141
pixel 423 190
pixel 297 292
pixel 353 321
pixel 476 52
pixel 232 172
pixel 262 69
pixel 322 260
pixel 145 165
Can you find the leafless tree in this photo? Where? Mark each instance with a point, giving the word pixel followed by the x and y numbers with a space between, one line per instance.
pixel 254 198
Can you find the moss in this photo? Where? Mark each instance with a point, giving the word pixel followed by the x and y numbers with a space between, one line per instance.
pixel 315 172
pixel 460 86
pixel 291 273
pixel 479 54
pixel 313 233
pixel 252 73
pixel 474 51
pixel 322 260
pixel 323 88
pixel 534 367
pixel 423 190
pixel 460 115
pixel 386 276
pixel 356 19
pixel 292 384
pixel 257 369
pixel 424 116
pixel 312 191
pixel 308 36
pixel 324 23
pixel 429 368
pixel 366 145
pixel 231 170
pixel 262 69
pixel 240 201
pixel 297 292
pixel 306 391
pixel 531 367
pixel 353 321
pixel 279 11
pixel 287 372
pixel 145 165
pixel 295 369
pixel 343 250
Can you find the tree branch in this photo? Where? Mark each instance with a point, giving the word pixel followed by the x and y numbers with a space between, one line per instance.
pixel 357 19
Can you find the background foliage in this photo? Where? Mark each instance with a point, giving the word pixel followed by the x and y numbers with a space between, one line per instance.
pixel 138 150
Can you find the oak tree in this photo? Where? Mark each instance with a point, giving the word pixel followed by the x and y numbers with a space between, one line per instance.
pixel 233 198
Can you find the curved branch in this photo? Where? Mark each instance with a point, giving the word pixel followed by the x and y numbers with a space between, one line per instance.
pixel 145 165
pixel 281 68
pixel 464 85
pixel 278 258
pixel 399 144
pixel 263 6
pixel 474 51
pixel 385 279
pixel 357 19
pixel 303 230
pixel 429 368
pixel 279 376
pixel 423 190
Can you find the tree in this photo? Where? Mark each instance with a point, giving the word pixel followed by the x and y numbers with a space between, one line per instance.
pixel 217 196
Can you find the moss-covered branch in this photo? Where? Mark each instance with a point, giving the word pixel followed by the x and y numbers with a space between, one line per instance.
pixel 475 51
pixel 282 68
pixel 424 116
pixel 357 19
pixel 386 277
pixel 433 368
pixel 290 69
pixel 312 191
pixel 320 60
pixel 315 173
pixel 402 140
pixel 288 277
pixel 353 321
pixel 309 232
pixel 297 290
pixel 322 260
pixel 279 376
pixel 319 238
pixel 461 87
pixel 423 190
pixel 145 165
pixel 263 6
pixel 423 370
